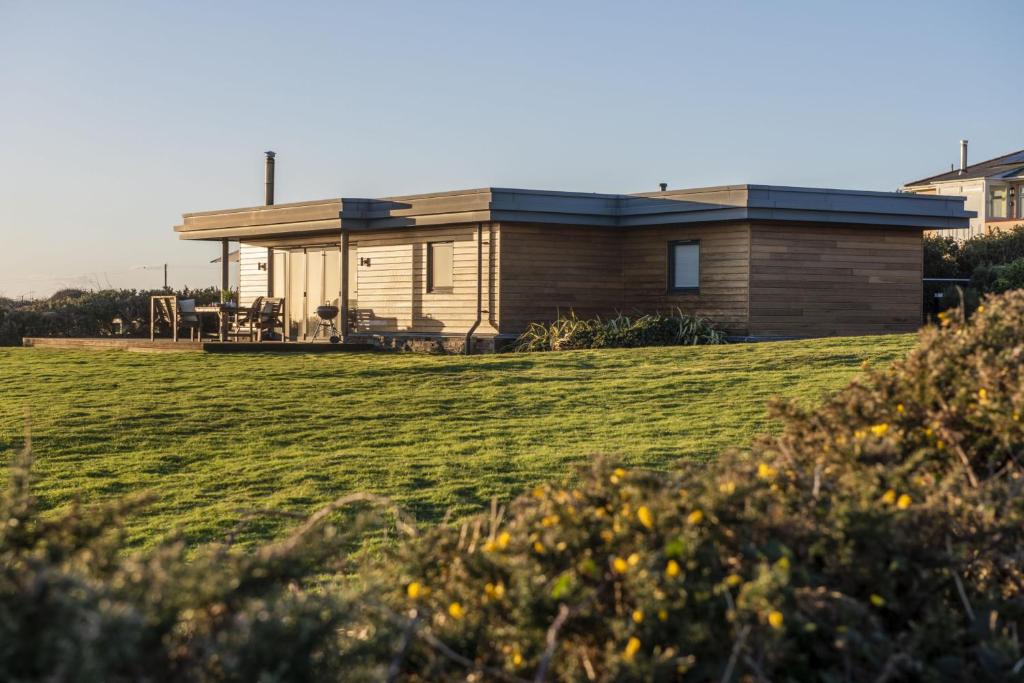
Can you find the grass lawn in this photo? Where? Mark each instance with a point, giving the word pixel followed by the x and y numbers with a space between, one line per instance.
pixel 214 435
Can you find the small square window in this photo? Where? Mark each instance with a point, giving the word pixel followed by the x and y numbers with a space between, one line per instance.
pixel 684 266
pixel 440 266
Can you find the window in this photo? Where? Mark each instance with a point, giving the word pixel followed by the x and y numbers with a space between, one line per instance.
pixel 997 202
pixel 684 266
pixel 439 267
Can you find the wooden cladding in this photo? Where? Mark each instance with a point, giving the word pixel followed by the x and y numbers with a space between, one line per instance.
pixel 724 272
pixel 760 279
pixel 547 270
pixel 392 280
pixel 831 280
pixel 253 265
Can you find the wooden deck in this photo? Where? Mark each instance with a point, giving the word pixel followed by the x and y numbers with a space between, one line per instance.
pixel 169 346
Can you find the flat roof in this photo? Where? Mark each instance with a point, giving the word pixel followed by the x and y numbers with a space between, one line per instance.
pixel 515 205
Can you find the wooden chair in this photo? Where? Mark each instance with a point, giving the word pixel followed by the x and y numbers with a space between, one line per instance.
pixel 271 318
pixel 244 323
pixel 175 315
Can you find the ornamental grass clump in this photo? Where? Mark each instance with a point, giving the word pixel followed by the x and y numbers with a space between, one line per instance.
pixel 877 537
pixel 622 331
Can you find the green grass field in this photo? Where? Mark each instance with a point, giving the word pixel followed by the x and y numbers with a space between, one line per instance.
pixel 215 435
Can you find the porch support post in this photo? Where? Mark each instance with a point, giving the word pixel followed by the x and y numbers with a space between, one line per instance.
pixel 343 292
pixel 223 264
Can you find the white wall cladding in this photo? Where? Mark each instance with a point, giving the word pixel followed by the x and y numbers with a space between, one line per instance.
pixel 252 280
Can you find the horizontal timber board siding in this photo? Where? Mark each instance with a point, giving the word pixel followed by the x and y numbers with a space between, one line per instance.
pixel 724 272
pixel 252 280
pixel 834 280
pixel 547 270
pixel 391 281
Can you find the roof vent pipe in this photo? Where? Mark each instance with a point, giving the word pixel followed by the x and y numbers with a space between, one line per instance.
pixel 663 186
pixel 963 156
pixel 269 178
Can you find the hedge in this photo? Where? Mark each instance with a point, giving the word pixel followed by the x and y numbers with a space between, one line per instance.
pixel 78 313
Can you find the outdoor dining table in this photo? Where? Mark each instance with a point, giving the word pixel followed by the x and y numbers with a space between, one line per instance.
pixel 222 311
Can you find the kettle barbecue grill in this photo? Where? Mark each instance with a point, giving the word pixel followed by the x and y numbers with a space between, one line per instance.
pixel 327 314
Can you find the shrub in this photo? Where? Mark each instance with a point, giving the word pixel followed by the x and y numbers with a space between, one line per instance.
pixel 879 536
pixel 1000 246
pixel 77 605
pixel 654 329
pixel 940 257
pixel 77 313
pixel 1003 277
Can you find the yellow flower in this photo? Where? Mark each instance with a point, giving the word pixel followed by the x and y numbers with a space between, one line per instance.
pixel 638 616
pixel 538 547
pixel 550 520
pixel 620 566
pixel 695 517
pixel 903 502
pixel 456 611
pixel 632 646
pixel 517 660
pixel 415 590
pixel 727 487
pixel 782 563
pixel 538 492
pixel 982 395
pixel 495 590
pixel 607 535
pixel 940 444
pixel 766 471
pixel 776 619
pixel 733 580
pixel 662 615
pixel 877 600
pixel 880 430
pixel 643 513
pixel 981 309
pixel 500 543
pixel 633 559
pixel 617 475
pixel 889 497
pixel 899 408
pixel 672 568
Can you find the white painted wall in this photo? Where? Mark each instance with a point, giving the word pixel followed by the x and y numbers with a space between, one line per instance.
pixel 252 280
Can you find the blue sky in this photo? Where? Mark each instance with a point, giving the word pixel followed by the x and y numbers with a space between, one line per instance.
pixel 116 117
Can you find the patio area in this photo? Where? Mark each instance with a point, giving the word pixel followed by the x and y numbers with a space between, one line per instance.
pixel 142 345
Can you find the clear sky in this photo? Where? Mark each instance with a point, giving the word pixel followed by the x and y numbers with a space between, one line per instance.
pixel 117 117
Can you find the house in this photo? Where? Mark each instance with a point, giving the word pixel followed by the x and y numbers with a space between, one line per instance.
pixel 450 267
pixel 992 190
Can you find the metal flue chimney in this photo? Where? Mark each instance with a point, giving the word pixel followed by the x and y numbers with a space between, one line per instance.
pixel 269 179
pixel 963 156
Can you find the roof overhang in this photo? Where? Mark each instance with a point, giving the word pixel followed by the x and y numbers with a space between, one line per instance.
pixel 704 205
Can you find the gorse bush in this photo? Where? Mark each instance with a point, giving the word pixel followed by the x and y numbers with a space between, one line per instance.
pixel 77 605
pixel 78 313
pixel 877 537
pixel 623 331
